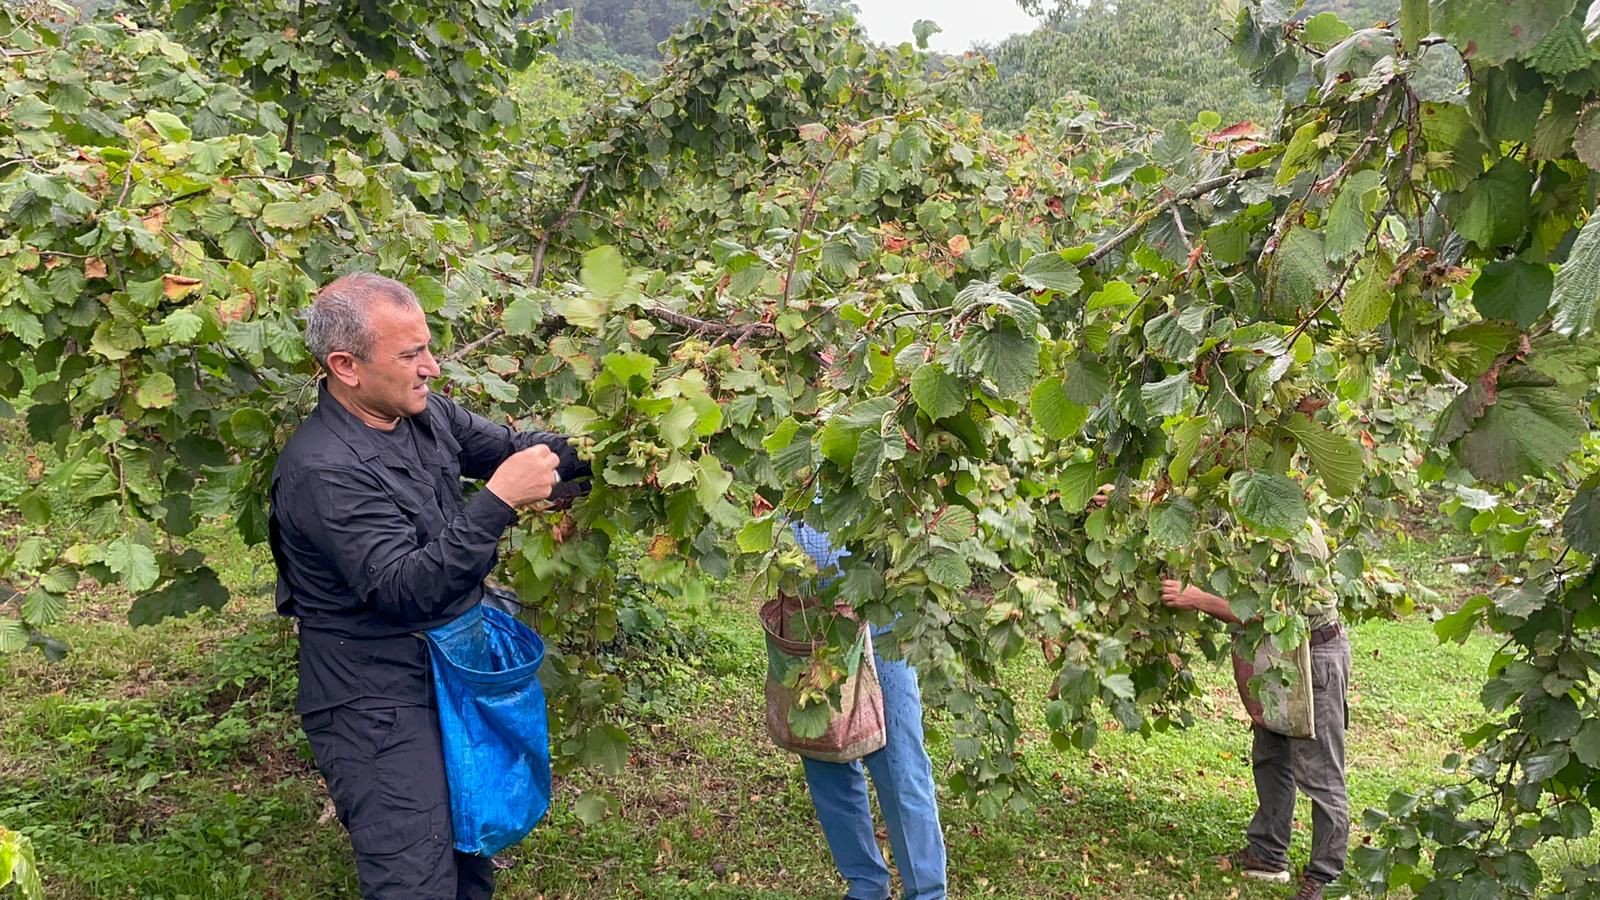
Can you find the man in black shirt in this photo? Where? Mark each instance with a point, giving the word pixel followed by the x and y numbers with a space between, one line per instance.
pixel 374 542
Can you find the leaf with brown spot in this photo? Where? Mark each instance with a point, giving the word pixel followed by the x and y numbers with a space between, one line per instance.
pixel 662 546
pixel 94 267
pixel 177 287
pixel 236 308
pixel 959 245
pixel 156 220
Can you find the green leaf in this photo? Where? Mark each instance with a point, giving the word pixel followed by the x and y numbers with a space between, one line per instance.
pixel 1301 153
pixel 937 393
pixel 156 391
pixel 1367 302
pixel 1299 272
pixel 1545 762
pixel 1513 289
pixel 956 524
pixel 1058 416
pixel 1337 459
pixel 838 441
pixel 756 536
pixel 677 426
pixel 1576 296
pixel 1087 381
pixel 43 608
pixel 1167 397
pixel 13 636
pixel 1490 32
pixel 1581 524
pixel 1562 51
pixel 606 748
pixel 922 29
pixel 1051 272
pixel 1009 357
pixel 1576 823
pixel 430 293
pixel 1268 503
pixel 591 808
pixel 630 368
pixel 1077 485
pixel 1176 335
pixel 288 214
pixel 1115 293
pixel 133 562
pixel 522 316
pixel 1492 211
pixel 1185 442
pixel 948 569
pixel 1531 427
pixel 1413 23
pixel 169 126
pixel 1586 746
pixel 1173 523
pixel 1347 227
pixel 711 481
pixel 604 273
pixel 186 595
pixel 251 427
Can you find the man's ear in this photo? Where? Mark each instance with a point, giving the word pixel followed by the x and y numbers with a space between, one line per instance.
pixel 342 366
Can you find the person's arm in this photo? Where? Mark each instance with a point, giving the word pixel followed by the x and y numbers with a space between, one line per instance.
pixel 485 445
pixel 348 515
pixel 1178 595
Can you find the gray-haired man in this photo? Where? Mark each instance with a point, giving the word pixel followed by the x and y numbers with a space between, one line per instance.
pixel 374 541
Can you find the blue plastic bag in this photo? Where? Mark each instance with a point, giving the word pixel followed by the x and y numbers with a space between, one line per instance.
pixel 493 720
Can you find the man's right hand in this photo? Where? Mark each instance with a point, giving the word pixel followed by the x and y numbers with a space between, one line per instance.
pixel 525 477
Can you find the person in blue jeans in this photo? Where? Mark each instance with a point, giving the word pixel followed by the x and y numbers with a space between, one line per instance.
pixel 901 772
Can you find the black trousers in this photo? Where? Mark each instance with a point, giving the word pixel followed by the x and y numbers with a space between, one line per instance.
pixel 384 768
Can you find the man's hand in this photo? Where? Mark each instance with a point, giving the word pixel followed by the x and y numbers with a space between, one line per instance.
pixel 1178 595
pixel 526 477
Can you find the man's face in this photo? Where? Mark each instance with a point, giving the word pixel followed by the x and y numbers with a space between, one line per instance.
pixel 393 380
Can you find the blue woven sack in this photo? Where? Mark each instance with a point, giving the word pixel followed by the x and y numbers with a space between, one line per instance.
pixel 496 734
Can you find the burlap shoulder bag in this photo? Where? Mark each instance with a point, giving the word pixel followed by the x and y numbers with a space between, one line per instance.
pixel 855 728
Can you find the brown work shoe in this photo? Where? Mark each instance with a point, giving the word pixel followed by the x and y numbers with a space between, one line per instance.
pixel 1254 868
pixel 1309 890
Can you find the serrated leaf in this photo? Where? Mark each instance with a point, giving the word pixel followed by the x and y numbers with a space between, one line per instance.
pixel 1587 744
pixel 1581 524
pixel 1492 210
pixel 1367 302
pixel 1077 485
pixel 1087 381
pixel 169 126
pixel 1531 427
pixel 522 316
pixel 1336 459
pixel 1007 356
pixel 13 635
pixel 1299 272
pixel 156 391
pixel 133 562
pixel 956 524
pixel 1576 296
pixel 1514 290
pixel 1489 32
pixel 1054 413
pixel 1176 335
pixel 948 569
pixel 1114 294
pixel 591 808
pixel 1173 523
pixel 1562 51
pixel 604 273
pixel 756 536
pixel 1347 226
pixel 1167 397
pixel 677 426
pixel 1185 442
pixel 1268 503
pixel 251 427
pixel 1049 271
pixel 937 393
pixel 43 607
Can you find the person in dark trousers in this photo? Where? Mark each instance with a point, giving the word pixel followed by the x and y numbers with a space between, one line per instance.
pixel 375 542
pixel 1281 764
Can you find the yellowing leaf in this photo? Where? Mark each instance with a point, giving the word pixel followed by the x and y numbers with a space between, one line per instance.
pixel 177 287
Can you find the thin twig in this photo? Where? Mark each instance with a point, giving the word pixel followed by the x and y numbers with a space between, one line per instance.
pixel 538 263
pixel 1191 193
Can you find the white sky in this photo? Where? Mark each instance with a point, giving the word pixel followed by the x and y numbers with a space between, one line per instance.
pixel 965 22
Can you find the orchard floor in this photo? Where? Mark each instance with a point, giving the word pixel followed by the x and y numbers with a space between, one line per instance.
pixel 165 762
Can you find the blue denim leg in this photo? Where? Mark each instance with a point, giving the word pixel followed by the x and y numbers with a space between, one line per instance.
pixel 903 777
pixel 839 793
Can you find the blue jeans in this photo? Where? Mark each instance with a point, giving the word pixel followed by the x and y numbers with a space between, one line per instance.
pixel 903 777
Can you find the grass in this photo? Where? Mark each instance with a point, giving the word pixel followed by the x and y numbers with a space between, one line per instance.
pixel 166 762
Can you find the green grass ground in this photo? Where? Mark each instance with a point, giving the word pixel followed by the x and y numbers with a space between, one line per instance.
pixel 166 763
